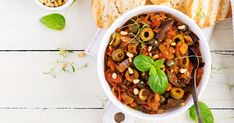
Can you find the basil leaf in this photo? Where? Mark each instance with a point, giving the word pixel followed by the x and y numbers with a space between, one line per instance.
pixel 159 63
pixel 206 114
pixel 143 62
pixel 53 21
pixel 158 81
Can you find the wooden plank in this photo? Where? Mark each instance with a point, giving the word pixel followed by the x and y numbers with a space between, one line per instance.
pixel 222 38
pixel 220 116
pixel 51 116
pixel 89 116
pixel 21 29
pixel 23 84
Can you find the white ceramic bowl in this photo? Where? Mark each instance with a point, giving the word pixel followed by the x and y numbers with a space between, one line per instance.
pixel 68 3
pixel 204 48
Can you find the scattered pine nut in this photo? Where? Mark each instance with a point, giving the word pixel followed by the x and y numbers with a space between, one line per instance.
pixel 130 70
pixel 155 57
pixel 81 54
pixel 135 91
pixel 183 70
pixel 123 32
pixel 114 75
pixel 135 81
pixel 130 55
pixel 173 43
pixel 150 48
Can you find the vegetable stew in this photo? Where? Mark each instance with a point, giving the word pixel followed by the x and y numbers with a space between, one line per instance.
pixel 147 62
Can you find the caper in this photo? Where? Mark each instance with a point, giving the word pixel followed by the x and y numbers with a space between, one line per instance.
pixel 144 76
pixel 166 95
pixel 141 84
pixel 147 34
pixel 115 39
pixel 170 63
pixel 154 43
pixel 177 93
pixel 131 77
pixel 162 99
pixel 133 28
pixel 118 55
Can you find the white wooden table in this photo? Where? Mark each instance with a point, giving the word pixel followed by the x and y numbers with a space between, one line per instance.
pixel 27 49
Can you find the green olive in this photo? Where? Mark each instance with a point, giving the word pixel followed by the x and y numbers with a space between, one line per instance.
pixel 143 94
pixel 131 77
pixel 115 39
pixel 118 55
pixel 147 34
pixel 177 93
pixel 133 28
pixel 170 63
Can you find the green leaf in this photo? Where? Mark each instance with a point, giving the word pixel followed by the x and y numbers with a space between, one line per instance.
pixel 143 62
pixel 158 81
pixel 53 21
pixel 159 63
pixel 206 114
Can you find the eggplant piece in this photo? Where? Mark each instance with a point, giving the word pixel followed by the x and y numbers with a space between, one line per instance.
pixel 123 65
pixel 171 103
pixel 164 28
pixel 166 24
pixel 172 77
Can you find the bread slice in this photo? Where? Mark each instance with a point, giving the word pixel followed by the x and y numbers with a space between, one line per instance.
pixel 107 11
pixel 204 12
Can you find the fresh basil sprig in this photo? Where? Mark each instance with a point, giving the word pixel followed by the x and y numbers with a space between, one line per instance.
pixel 206 114
pixel 143 63
pixel 53 21
pixel 158 81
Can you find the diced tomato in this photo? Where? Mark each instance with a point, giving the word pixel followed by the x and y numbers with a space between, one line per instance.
pixel 171 33
pixel 156 23
pixel 111 64
pixel 184 48
pixel 108 75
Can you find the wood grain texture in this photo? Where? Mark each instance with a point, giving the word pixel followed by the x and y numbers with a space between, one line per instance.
pixel 21 29
pixel 28 49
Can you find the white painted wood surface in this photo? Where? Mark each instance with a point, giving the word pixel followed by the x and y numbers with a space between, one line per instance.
pixel 27 95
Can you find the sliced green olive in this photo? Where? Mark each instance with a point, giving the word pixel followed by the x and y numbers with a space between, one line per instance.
pixel 170 63
pixel 131 77
pixel 133 28
pixel 143 94
pixel 115 39
pixel 177 38
pixel 118 55
pixel 147 34
pixel 177 93
pixel 183 62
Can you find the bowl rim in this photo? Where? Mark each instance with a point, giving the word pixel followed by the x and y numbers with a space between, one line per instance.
pixel 68 3
pixel 204 48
